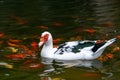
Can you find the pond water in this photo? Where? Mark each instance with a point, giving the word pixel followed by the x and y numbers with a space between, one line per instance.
pixel 23 21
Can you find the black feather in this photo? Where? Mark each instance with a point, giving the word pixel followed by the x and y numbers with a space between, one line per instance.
pixel 60 49
pixel 76 48
pixel 97 46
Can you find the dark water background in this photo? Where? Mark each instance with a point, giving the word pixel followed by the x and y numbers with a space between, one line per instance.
pixel 66 19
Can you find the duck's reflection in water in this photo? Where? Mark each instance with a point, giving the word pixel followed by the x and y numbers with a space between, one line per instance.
pixel 58 65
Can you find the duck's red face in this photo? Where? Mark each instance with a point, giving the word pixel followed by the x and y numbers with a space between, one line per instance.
pixel 43 39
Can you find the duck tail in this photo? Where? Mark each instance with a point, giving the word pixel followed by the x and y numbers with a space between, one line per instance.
pixel 99 48
pixel 111 41
pixel 103 45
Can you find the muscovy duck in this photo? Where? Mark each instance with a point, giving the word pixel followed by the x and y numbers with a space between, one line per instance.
pixel 73 50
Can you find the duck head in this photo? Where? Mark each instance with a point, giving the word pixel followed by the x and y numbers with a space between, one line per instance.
pixel 45 38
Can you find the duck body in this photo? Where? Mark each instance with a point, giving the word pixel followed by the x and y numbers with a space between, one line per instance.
pixel 83 50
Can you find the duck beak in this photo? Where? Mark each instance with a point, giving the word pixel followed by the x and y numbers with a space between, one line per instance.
pixel 41 42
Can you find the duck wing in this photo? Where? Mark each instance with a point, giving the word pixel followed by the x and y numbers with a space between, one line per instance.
pixel 74 46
